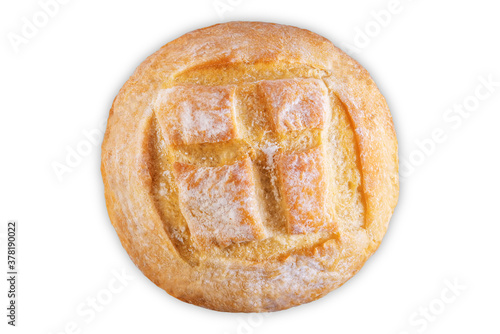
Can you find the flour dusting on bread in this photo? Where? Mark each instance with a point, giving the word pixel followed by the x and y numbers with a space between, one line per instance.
pixel 250 167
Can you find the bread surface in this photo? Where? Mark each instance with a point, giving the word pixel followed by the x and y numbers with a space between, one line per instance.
pixel 250 167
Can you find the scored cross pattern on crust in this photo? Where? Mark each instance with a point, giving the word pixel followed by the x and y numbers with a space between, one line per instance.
pixel 198 114
pixel 302 183
pixel 294 104
pixel 219 201
pixel 220 204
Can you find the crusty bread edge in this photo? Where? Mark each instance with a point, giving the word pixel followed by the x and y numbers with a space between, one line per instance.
pixel 140 229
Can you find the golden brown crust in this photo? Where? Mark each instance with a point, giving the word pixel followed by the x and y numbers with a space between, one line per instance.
pixel 302 179
pixel 273 269
pixel 219 203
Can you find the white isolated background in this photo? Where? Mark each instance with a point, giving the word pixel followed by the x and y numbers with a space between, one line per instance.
pixel 429 57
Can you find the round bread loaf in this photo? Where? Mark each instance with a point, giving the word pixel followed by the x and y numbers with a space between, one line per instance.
pixel 250 167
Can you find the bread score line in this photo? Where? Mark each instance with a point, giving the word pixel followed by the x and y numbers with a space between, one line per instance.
pixel 275 256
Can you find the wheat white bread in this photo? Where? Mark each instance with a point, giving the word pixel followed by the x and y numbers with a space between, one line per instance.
pixel 250 167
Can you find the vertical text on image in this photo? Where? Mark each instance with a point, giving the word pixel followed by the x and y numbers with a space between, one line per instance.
pixel 12 273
